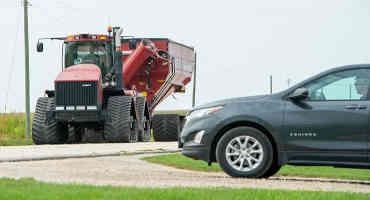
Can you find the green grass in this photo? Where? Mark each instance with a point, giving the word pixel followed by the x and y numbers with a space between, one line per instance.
pixel 30 189
pixel 182 162
pixel 12 129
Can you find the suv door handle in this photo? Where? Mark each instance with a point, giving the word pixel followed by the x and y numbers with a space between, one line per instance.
pixel 351 107
pixel 356 107
pixel 361 107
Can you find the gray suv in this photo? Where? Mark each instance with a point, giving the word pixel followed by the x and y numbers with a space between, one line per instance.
pixel 321 121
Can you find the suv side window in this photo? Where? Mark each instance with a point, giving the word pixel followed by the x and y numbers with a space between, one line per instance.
pixel 343 85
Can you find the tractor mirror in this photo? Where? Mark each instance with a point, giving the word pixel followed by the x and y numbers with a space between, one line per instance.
pixel 40 47
pixel 132 44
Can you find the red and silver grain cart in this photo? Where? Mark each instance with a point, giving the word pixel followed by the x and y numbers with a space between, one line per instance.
pixel 109 88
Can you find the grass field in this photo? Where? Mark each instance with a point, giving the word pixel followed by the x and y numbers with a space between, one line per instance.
pixel 31 190
pixel 12 130
pixel 182 162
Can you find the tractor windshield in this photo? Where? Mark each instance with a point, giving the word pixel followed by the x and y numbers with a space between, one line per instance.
pixel 98 53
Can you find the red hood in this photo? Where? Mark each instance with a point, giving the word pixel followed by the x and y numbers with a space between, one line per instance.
pixel 80 72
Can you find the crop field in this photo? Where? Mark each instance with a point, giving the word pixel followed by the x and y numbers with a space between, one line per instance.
pixel 12 129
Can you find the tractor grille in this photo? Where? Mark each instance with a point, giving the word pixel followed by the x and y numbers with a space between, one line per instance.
pixel 76 93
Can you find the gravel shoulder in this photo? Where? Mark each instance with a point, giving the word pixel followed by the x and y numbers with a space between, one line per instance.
pixel 130 170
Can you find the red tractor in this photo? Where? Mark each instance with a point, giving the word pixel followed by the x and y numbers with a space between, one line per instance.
pixel 109 87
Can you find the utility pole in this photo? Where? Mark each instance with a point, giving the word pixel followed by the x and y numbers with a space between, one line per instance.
pixel 270 84
pixel 194 80
pixel 26 67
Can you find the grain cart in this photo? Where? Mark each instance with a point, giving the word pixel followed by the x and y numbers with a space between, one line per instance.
pixel 109 88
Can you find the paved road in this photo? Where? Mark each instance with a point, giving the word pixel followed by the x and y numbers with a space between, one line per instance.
pixel 44 152
pixel 130 170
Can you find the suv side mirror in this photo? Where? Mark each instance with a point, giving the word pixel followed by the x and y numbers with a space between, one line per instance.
pixel 299 94
pixel 40 47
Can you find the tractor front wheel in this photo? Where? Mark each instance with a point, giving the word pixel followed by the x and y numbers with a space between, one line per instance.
pixel 120 125
pixel 45 129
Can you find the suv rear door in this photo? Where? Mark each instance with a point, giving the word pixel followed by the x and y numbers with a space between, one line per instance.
pixel 332 125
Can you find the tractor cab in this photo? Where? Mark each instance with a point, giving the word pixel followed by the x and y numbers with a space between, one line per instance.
pixel 96 49
pixel 89 49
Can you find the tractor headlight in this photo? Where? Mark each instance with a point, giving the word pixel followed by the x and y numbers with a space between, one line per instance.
pixel 203 112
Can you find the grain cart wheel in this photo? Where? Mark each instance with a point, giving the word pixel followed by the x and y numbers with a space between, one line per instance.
pixel 45 129
pixel 166 127
pixel 244 152
pixel 120 124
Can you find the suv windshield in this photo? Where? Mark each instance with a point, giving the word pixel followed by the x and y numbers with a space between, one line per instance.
pixel 88 52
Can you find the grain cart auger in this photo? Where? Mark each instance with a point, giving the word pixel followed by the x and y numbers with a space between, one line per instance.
pixel 109 87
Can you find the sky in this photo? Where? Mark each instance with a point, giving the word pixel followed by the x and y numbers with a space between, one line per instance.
pixel 239 43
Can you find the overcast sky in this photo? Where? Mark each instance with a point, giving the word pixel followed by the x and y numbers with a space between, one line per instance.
pixel 239 43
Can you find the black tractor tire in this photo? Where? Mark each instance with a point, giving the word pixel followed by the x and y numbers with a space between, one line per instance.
pixel 144 133
pixel 166 127
pixel 257 171
pixel 45 129
pixel 120 125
